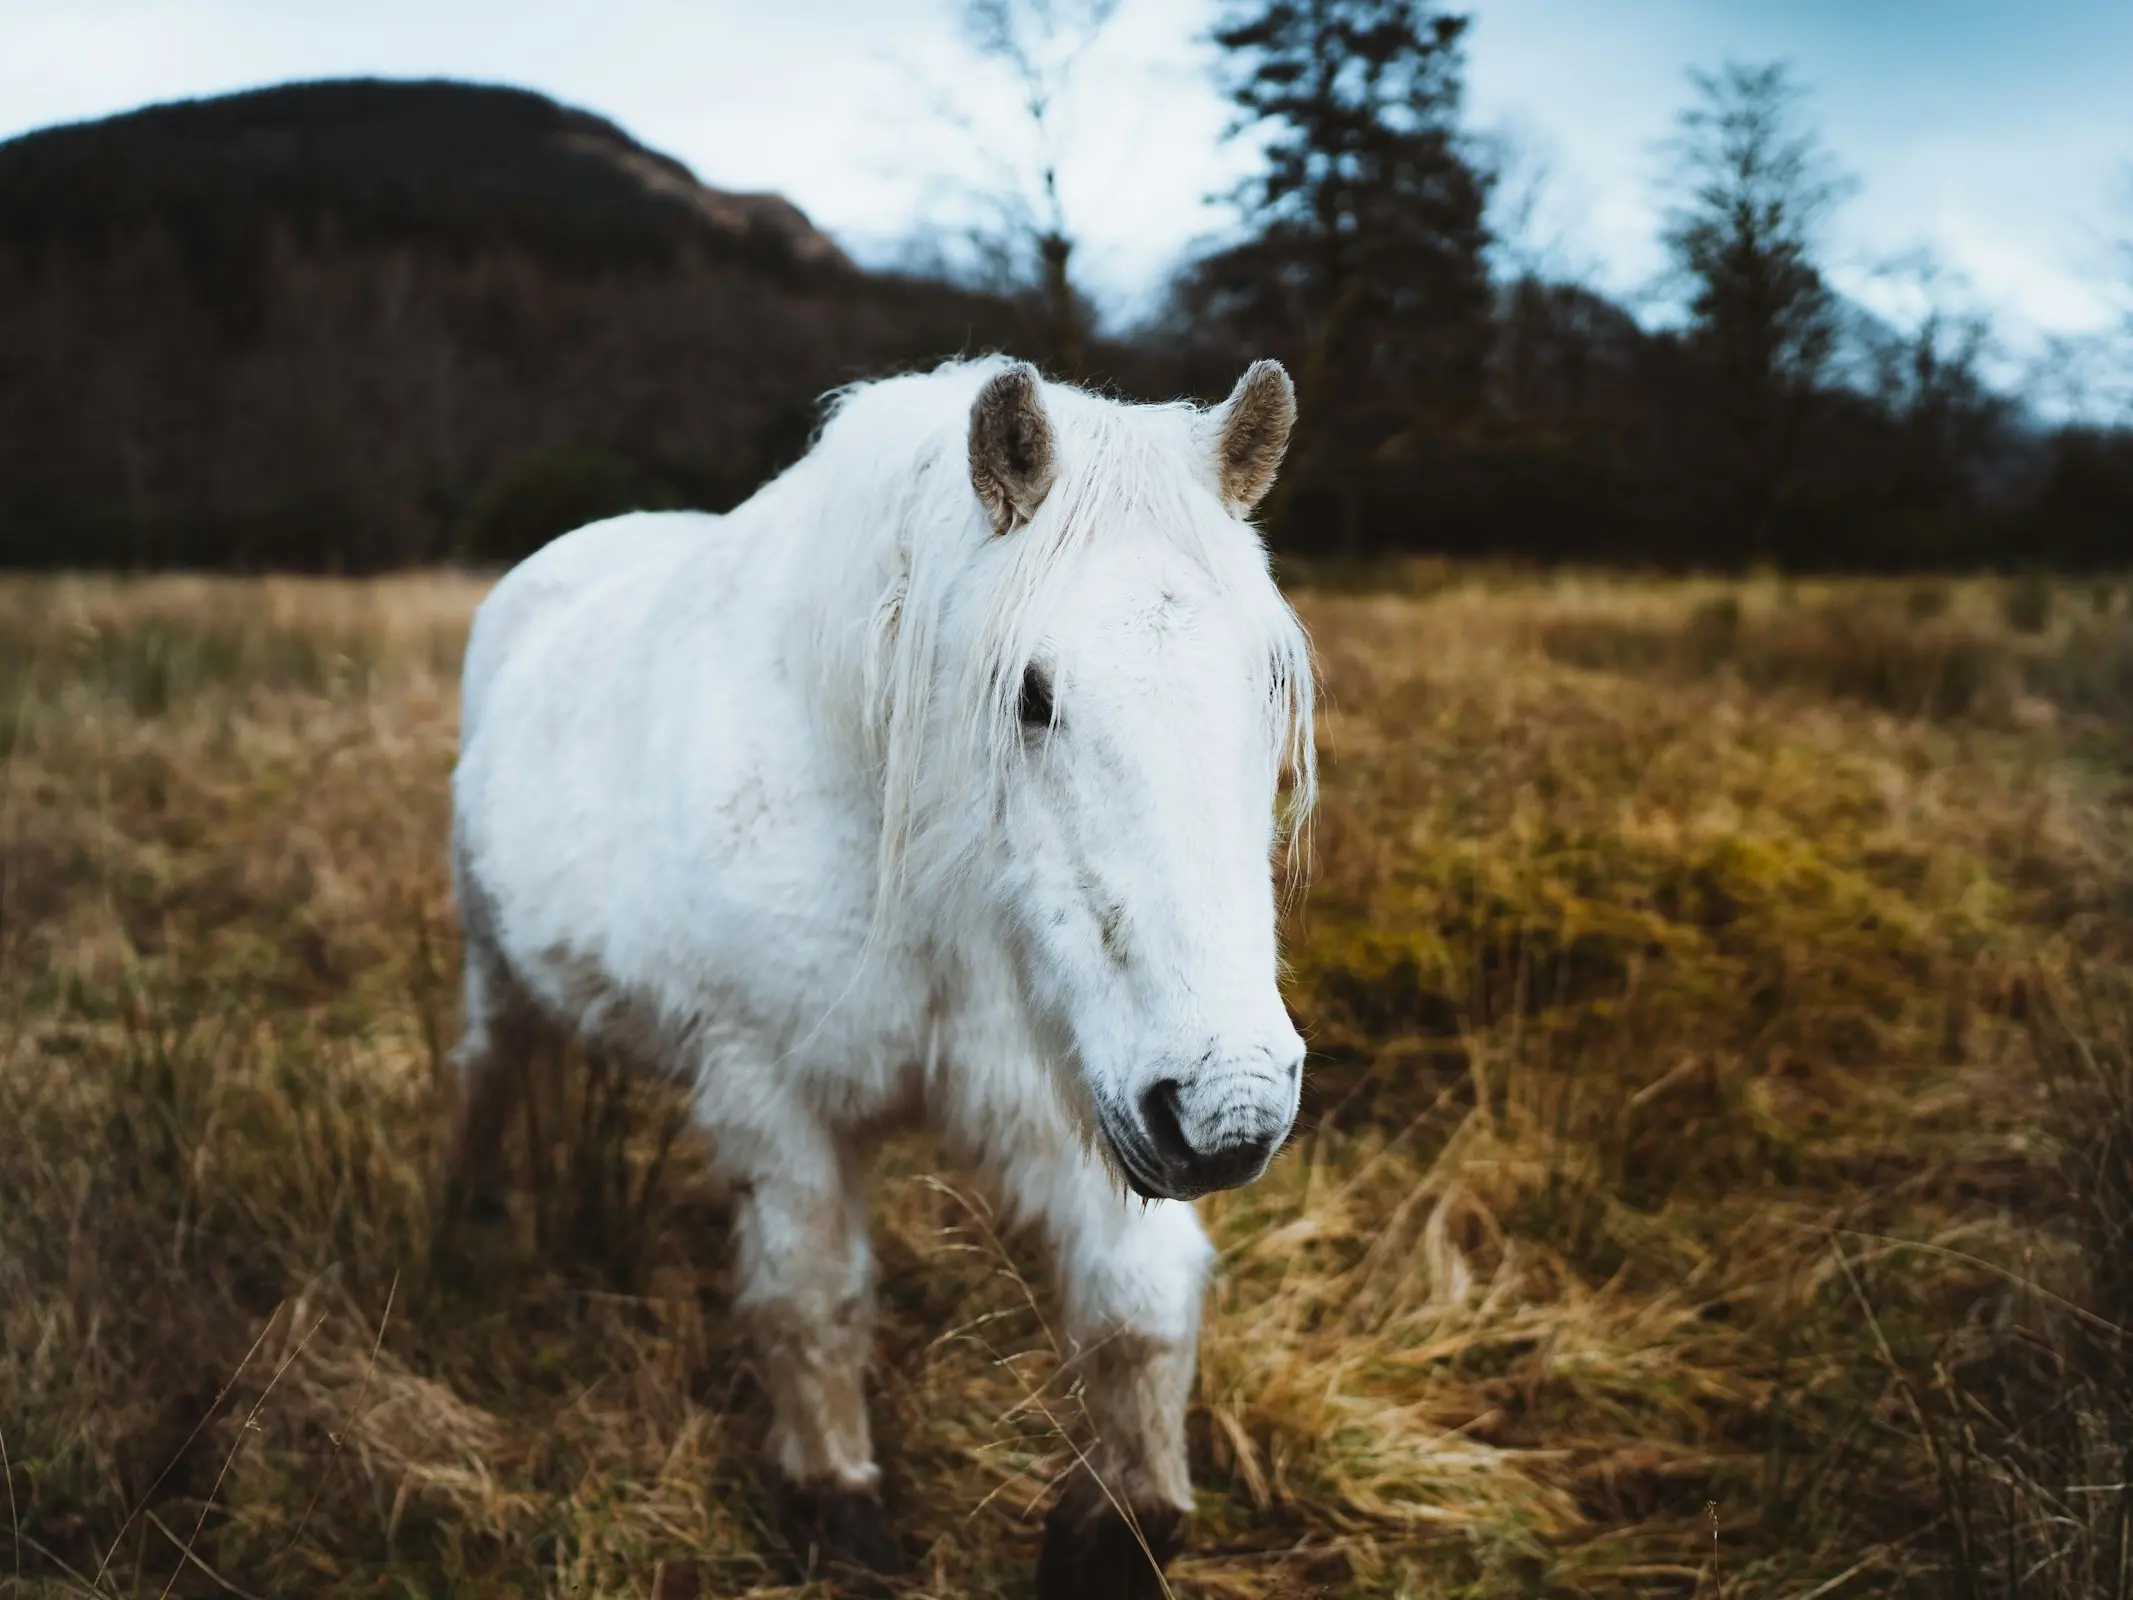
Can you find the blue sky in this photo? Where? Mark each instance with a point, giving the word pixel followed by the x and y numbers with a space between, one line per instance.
pixel 1996 137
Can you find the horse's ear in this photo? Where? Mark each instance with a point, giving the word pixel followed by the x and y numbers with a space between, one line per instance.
pixel 1255 422
pixel 1012 460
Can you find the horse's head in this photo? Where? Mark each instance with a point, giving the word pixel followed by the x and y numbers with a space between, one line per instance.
pixel 1148 690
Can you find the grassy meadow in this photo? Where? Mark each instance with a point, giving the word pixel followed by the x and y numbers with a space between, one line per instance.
pixel 1715 1178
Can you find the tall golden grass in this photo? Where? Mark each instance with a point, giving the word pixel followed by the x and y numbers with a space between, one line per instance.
pixel 1715 1180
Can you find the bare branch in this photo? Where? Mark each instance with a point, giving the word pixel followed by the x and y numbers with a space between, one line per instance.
pixel 1039 44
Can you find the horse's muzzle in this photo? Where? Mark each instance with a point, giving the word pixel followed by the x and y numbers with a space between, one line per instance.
pixel 1191 1170
pixel 1161 1160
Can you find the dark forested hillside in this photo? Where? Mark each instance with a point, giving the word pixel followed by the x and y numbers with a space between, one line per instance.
pixel 357 324
pixel 364 324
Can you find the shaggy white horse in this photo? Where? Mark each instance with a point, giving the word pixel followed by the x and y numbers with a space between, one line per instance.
pixel 939 780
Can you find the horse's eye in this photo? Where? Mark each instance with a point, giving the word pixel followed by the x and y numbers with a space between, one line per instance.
pixel 1036 699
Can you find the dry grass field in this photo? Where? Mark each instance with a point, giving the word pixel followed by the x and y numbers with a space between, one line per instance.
pixel 1713 1182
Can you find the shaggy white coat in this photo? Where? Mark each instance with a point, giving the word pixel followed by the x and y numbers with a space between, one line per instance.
pixel 754 799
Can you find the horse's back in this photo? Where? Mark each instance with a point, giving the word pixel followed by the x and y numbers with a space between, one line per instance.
pixel 645 826
pixel 560 683
pixel 600 565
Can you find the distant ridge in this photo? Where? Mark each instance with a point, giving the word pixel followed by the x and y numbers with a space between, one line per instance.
pixel 365 323
pixel 459 158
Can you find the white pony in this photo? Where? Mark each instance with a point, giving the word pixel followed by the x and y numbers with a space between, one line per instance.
pixel 939 780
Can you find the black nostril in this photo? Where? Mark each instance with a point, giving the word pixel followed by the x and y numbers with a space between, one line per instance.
pixel 1193 1171
pixel 1159 1112
pixel 1236 1163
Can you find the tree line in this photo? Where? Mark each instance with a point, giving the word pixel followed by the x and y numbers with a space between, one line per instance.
pixel 361 325
pixel 1446 407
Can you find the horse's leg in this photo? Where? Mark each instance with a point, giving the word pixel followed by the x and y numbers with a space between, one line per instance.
pixel 490 1063
pixel 805 1286
pixel 1130 1274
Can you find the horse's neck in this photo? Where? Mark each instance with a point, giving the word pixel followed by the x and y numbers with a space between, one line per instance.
pixel 816 571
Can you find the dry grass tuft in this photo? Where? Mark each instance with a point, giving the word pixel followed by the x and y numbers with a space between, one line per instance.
pixel 1716 1179
pixel 1988 650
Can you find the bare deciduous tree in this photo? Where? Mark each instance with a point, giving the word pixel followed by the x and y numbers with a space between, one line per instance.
pixel 1754 186
pixel 2089 375
pixel 1751 187
pixel 1040 44
pixel 1927 366
pixel 2119 360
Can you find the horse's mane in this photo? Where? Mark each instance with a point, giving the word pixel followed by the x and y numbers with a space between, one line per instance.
pixel 893 528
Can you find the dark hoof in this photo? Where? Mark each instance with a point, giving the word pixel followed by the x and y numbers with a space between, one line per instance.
pixel 467 1191
pixel 483 1208
pixel 465 1230
pixel 1093 1553
pixel 841 1534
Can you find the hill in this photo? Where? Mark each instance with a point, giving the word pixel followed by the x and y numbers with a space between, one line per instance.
pixel 356 324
